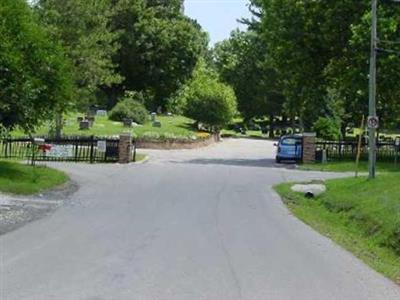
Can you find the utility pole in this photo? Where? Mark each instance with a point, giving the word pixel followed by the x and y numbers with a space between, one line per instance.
pixel 372 91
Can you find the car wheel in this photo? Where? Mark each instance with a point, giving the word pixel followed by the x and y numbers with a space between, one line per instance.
pixel 278 160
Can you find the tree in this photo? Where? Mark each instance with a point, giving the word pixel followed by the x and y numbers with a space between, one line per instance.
pixel 84 29
pixel 241 62
pixel 209 101
pixel 35 77
pixel 348 74
pixel 320 50
pixel 159 48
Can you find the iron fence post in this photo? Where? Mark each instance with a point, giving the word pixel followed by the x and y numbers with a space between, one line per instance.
pixel 91 149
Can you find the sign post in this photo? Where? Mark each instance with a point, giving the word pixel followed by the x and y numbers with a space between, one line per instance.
pixel 373 121
pixel 397 149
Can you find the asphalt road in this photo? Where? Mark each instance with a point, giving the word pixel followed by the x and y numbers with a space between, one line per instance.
pixel 187 225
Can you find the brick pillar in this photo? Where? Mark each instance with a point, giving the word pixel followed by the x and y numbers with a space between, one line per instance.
pixel 309 147
pixel 125 149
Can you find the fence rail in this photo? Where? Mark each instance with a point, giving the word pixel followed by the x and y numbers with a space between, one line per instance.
pixel 386 151
pixel 74 149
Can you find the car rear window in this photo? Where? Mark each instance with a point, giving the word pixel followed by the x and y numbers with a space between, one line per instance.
pixel 290 141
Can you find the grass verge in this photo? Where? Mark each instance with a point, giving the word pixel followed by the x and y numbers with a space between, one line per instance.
pixel 349 166
pixel 362 216
pixel 17 178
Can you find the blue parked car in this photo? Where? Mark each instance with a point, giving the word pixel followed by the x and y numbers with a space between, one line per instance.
pixel 290 148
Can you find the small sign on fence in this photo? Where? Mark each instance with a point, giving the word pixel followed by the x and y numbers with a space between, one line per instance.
pixel 102 146
pixel 397 141
pixel 61 151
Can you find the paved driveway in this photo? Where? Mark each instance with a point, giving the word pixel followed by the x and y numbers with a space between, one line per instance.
pixel 188 225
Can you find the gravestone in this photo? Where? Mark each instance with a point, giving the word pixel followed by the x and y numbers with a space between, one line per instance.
pixel 101 113
pixel 91 120
pixel 84 125
pixel 157 124
pixel 127 122
pixel 153 116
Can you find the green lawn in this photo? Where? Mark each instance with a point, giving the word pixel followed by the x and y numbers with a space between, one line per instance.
pixel 172 127
pixel 17 178
pixel 361 215
pixel 349 166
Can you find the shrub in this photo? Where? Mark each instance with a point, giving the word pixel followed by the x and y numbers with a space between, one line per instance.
pixel 130 108
pixel 327 128
pixel 209 101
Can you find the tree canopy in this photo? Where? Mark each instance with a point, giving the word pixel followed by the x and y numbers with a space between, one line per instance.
pixel 35 76
pixel 159 47
pixel 320 51
pixel 84 29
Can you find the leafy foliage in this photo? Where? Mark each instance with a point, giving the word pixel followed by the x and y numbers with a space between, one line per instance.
pixel 320 50
pixel 84 30
pixel 327 128
pixel 209 101
pixel 159 48
pixel 130 107
pixel 35 77
pixel 241 61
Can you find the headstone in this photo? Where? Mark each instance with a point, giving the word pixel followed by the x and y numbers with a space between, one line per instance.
pixel 153 116
pixel 169 114
pixel 101 113
pixel 127 122
pixel 156 124
pixel 91 120
pixel 92 110
pixel 84 125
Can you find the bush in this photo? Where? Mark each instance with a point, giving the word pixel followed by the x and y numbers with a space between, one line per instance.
pixel 130 108
pixel 209 101
pixel 327 128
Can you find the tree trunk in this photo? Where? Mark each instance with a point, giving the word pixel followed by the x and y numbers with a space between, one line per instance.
pixel 59 125
pixel 343 132
pixel 271 127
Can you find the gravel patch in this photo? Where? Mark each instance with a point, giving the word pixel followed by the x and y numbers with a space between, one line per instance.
pixel 16 211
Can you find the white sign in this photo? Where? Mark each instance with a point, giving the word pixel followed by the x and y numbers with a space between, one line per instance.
pixel 373 122
pixel 102 146
pixel 61 151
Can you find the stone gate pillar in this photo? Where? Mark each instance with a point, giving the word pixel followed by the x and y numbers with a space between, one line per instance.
pixel 309 147
pixel 125 148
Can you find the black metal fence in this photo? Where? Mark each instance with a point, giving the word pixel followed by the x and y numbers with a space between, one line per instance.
pixel 346 150
pixel 74 149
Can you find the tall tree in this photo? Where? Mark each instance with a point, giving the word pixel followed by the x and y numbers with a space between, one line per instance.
pixel 321 52
pixel 241 62
pixel 35 77
pixel 84 29
pixel 159 48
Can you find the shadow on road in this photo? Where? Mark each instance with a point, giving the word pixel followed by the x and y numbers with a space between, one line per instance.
pixel 241 162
